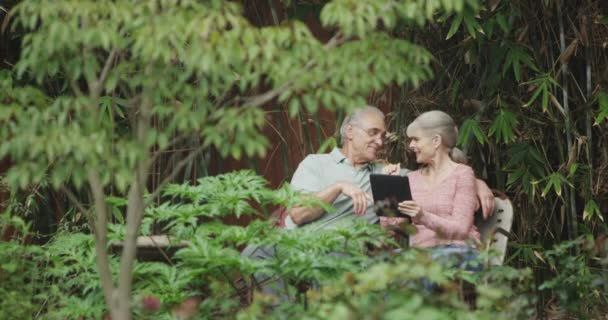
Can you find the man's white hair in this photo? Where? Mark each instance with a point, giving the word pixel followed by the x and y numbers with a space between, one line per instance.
pixel 355 117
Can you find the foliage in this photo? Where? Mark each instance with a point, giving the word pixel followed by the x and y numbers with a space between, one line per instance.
pixel 93 75
pixel 212 254
pixel 60 280
pixel 580 281
pixel 57 280
pixel 18 272
pixel 209 277
pixel 100 73
pixel 525 81
pixel 74 288
pixel 394 288
pixel 124 57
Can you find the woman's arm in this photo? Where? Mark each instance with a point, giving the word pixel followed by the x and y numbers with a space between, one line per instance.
pixel 457 225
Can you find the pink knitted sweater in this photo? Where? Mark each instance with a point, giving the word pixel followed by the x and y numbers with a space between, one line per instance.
pixel 449 209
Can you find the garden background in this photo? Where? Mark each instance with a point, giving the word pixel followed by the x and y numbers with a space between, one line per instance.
pixel 113 111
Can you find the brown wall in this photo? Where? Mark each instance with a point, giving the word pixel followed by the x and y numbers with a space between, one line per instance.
pixel 291 140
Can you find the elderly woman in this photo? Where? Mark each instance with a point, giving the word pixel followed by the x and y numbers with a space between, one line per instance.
pixel 443 189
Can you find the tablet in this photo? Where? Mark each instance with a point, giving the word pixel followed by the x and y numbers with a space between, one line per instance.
pixel 388 191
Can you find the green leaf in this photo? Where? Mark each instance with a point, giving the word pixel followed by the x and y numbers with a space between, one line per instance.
pixel 455 25
pixel 502 22
pixel 555 181
pixel 545 85
pixel 517 55
pixel 592 210
pixel 602 100
pixel 10 267
pixel 572 170
pixel 515 175
pixel 470 129
pixel 294 107
pixel 504 125
pixel 526 164
pixel 328 144
pixel 472 24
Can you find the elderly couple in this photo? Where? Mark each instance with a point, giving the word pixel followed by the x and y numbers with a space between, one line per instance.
pixel 445 192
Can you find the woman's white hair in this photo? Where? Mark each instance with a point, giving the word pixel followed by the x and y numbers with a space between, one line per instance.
pixel 355 117
pixel 439 123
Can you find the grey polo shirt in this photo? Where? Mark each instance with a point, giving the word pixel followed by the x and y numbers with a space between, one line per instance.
pixel 319 171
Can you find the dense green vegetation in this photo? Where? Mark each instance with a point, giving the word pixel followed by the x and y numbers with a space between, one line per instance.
pixel 356 282
pixel 102 90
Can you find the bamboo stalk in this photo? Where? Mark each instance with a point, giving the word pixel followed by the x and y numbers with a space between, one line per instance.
pixel 572 225
pixel 589 109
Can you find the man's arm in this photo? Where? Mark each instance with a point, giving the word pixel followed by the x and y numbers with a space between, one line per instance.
pixel 301 215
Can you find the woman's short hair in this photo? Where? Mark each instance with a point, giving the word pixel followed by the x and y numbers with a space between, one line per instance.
pixel 439 123
pixel 355 117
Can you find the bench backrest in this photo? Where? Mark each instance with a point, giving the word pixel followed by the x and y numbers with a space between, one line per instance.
pixel 492 229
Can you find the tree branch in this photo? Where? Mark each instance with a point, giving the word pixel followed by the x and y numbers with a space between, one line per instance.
pixel 104 72
pixel 101 237
pixel 261 99
pixel 171 143
pixel 176 169
pixel 74 200
pixel 135 209
pixel 75 88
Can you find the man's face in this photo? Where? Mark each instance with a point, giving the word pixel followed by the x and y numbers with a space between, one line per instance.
pixel 367 137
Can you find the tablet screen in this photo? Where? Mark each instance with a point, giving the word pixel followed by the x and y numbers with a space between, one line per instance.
pixel 388 191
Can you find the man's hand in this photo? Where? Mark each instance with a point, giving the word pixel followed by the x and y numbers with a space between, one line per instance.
pixel 391 169
pixel 486 198
pixel 359 197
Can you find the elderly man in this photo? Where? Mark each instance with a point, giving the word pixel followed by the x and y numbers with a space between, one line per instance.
pixel 341 177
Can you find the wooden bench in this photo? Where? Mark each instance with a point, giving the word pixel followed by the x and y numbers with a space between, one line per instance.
pixel 496 230
pixel 153 248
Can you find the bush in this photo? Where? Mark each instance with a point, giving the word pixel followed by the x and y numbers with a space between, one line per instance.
pixel 579 281
pixel 211 279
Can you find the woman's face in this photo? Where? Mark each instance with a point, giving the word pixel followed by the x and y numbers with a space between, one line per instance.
pixel 424 145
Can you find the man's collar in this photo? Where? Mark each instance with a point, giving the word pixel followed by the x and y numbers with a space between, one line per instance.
pixel 338 157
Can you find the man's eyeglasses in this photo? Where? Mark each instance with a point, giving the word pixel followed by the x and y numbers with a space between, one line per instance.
pixel 373 133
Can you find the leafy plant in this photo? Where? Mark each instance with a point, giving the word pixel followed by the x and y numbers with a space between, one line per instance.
pixel 578 281
pixel 19 273
pixel 394 288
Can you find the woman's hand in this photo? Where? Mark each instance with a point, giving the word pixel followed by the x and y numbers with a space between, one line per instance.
pixel 392 169
pixel 411 208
